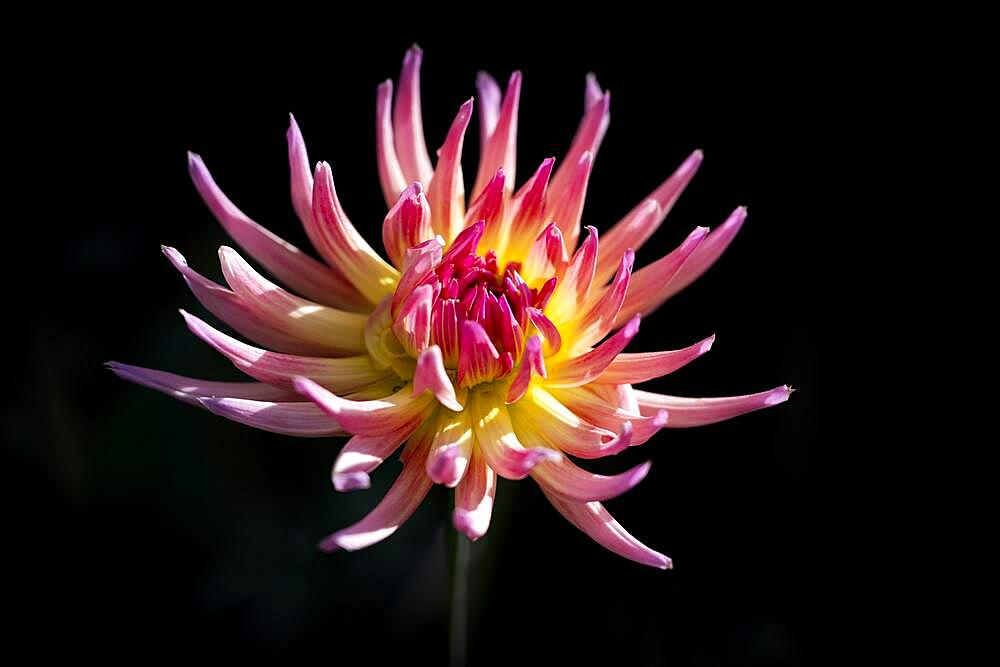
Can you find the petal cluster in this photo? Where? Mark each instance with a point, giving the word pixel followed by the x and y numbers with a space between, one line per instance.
pixel 488 341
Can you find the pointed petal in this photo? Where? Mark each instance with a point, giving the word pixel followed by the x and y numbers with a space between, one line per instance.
pixel 375 417
pixel 498 442
pixel 532 361
pixel 408 224
pixel 390 173
pixel 474 498
pixel 568 480
pixel 598 319
pixel 565 206
pixel 489 106
pixel 548 330
pixel 362 454
pixel 633 368
pixel 478 359
pixel 647 289
pixel 451 450
pixel 189 390
pixel 706 253
pixel 288 264
pixel 573 288
pixel 688 412
pixel 527 209
pixel 500 150
pixel 231 309
pixel 540 420
pixel 588 139
pixel 489 208
pixel 332 332
pixel 446 191
pixel 402 499
pixel 588 367
pixel 593 93
pixel 418 262
pixel 608 415
pixel 634 229
pixel 546 257
pixel 341 245
pixel 343 375
pixel 431 376
pixel 596 522
pixel 303 420
pixel 408 123
pixel 301 174
pixel 413 322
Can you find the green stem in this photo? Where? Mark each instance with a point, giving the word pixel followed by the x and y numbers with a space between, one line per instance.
pixel 458 621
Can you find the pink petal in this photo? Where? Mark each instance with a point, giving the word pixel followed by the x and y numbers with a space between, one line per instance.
pixel 408 123
pixel 526 208
pixel 402 499
pixel 574 285
pixel 329 331
pixel 301 174
pixel 540 420
pixel 647 287
pixel 189 390
pixel 474 498
pixel 232 310
pixel 607 415
pixel 489 209
pixel 489 106
pixel 634 229
pixel 390 174
pixel 446 191
pixel 344 374
pixel 478 359
pixel 566 479
pixel 374 417
pixel 593 93
pixel 413 322
pixel 362 454
pixel 303 420
pixel 598 319
pixel 706 253
pixel 688 412
pixel 633 368
pixel 431 376
pixel 565 206
pixel 546 257
pixel 532 361
pixel 500 150
pixel 587 140
pixel 340 244
pixel 289 264
pixel 548 330
pixel 596 522
pixel 418 262
pixel 588 367
pixel 408 224
pixel 450 451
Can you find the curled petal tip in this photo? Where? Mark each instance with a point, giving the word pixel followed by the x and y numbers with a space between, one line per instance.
pixel 667 563
pixel 467 523
pixel 351 481
pixel 778 395
pixel 661 418
pixel 329 544
pixel 707 344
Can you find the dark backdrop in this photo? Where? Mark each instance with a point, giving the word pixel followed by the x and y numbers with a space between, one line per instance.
pixel 145 526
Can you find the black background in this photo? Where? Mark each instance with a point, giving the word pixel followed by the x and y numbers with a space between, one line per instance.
pixel 149 527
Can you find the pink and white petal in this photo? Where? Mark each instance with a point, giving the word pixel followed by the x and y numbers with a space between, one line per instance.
pixel 340 244
pixel 489 208
pixel 587 140
pixel 490 97
pixel 606 414
pixel 574 284
pixel 588 367
pixel 474 497
pixel 598 318
pixel 402 499
pixel 568 480
pixel 299 419
pixel 592 93
pixel 688 412
pixel 408 124
pixel 418 262
pixel 408 224
pixel 540 420
pixel 375 417
pixel 451 449
pixel 647 288
pixel 234 311
pixel 431 376
pixel 705 255
pixel 390 173
pixel 301 173
pixel 633 368
pixel 533 361
pixel 598 523
pixel 500 150
pixel 498 442
pixel 362 454
pixel 290 265
pixel 526 210
pixel 478 359
pixel 641 222
pixel 344 374
pixel 329 331
pixel 548 330
pixel 189 390
pixel 413 322
pixel 565 207
pixel 446 191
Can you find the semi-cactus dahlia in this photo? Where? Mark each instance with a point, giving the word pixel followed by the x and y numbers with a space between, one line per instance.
pixel 491 341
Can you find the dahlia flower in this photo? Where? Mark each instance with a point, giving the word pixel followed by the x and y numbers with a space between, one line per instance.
pixel 488 342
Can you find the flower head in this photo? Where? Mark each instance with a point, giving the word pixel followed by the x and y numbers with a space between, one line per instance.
pixel 490 343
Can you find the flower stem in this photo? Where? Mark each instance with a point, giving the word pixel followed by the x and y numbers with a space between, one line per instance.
pixel 459 618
